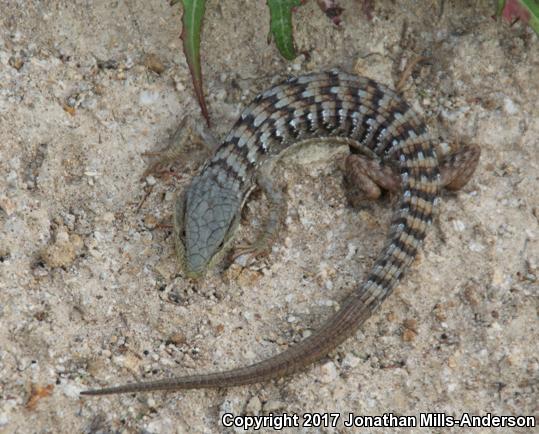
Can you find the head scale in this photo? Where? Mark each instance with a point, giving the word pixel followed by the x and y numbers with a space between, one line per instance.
pixel 206 217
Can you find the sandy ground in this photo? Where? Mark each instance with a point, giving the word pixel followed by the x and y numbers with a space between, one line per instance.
pixel 91 293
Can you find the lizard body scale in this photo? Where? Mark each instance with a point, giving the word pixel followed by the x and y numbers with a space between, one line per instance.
pixel 378 123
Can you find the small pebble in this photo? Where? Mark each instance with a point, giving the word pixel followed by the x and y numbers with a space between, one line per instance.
pixel 306 334
pixel 153 63
pixel 509 106
pixel 459 225
pixel 8 205
pixel 63 251
pixel 157 426
pixel 273 406
pixel 150 221
pixel 476 247
pixel 16 62
pixel 147 97
pixel 177 338
pixel 350 361
pixel 150 180
pixel 328 373
pixel 253 406
pixel 408 335
pixel 108 217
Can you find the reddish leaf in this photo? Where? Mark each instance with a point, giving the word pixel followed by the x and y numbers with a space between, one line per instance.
pixel 526 11
pixel 332 10
pixel 368 8
pixel 513 10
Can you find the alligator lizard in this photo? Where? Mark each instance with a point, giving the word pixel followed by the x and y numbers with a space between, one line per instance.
pixel 390 148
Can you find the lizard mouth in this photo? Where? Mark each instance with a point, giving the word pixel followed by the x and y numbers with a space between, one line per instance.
pixel 195 267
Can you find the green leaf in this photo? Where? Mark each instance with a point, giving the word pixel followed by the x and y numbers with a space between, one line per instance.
pixel 281 25
pixel 526 11
pixel 193 13
pixel 501 5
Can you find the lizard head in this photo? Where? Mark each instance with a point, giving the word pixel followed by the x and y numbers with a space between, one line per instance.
pixel 205 219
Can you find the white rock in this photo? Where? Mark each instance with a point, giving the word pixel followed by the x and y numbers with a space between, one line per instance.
pixel 509 106
pixel 350 361
pixel 328 372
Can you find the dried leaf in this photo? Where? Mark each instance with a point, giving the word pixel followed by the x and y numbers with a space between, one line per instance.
pixel 37 393
pixel 69 109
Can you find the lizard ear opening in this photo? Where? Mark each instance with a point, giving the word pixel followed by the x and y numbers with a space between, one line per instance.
pixel 179 226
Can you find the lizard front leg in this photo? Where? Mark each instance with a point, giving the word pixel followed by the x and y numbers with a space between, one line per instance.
pixel 457 168
pixel 273 221
pixel 178 148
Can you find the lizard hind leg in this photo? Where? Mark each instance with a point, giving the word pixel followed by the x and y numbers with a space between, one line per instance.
pixel 273 221
pixel 457 168
pixel 365 178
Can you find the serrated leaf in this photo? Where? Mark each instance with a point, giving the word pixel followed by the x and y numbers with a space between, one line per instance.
pixel 193 14
pixel 526 11
pixel 281 25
